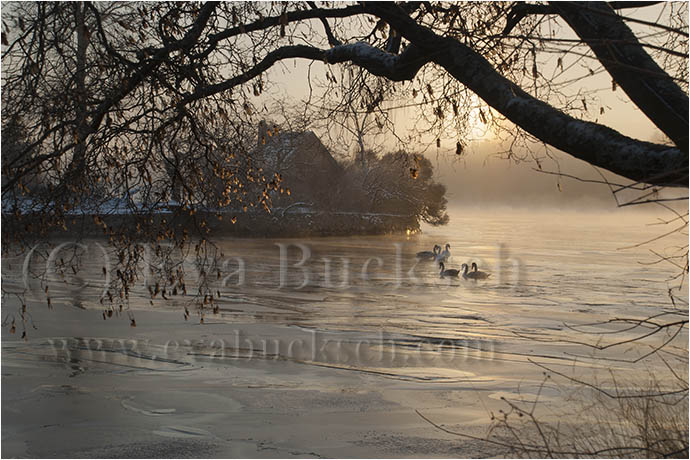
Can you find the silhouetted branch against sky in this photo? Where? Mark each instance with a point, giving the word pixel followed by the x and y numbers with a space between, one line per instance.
pixel 138 99
pixel 180 54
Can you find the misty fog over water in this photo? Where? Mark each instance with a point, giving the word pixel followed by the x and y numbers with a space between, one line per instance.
pixel 481 178
pixel 363 348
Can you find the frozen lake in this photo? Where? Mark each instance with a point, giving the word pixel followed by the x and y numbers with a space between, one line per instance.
pixel 332 357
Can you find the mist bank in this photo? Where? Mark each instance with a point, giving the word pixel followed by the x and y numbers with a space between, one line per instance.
pixel 481 178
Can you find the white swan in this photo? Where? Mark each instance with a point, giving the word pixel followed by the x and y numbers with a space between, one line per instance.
pixel 428 255
pixel 450 272
pixel 474 274
pixel 444 255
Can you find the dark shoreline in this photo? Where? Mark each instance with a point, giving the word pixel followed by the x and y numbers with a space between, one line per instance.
pixel 264 225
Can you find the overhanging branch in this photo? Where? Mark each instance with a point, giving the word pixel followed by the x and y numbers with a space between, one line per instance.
pixel 394 67
pixel 594 143
pixel 522 10
pixel 619 51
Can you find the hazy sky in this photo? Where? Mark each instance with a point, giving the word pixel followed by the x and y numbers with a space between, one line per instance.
pixel 478 177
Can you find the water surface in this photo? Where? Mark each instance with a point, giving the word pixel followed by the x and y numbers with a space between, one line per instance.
pixel 362 345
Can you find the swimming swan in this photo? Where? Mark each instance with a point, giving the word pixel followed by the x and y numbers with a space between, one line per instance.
pixel 474 274
pixel 444 255
pixel 449 272
pixel 428 255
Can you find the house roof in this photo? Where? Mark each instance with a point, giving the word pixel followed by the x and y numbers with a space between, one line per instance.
pixel 285 150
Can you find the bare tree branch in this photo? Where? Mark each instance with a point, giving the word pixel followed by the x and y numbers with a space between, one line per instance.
pixel 598 145
pixel 619 50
